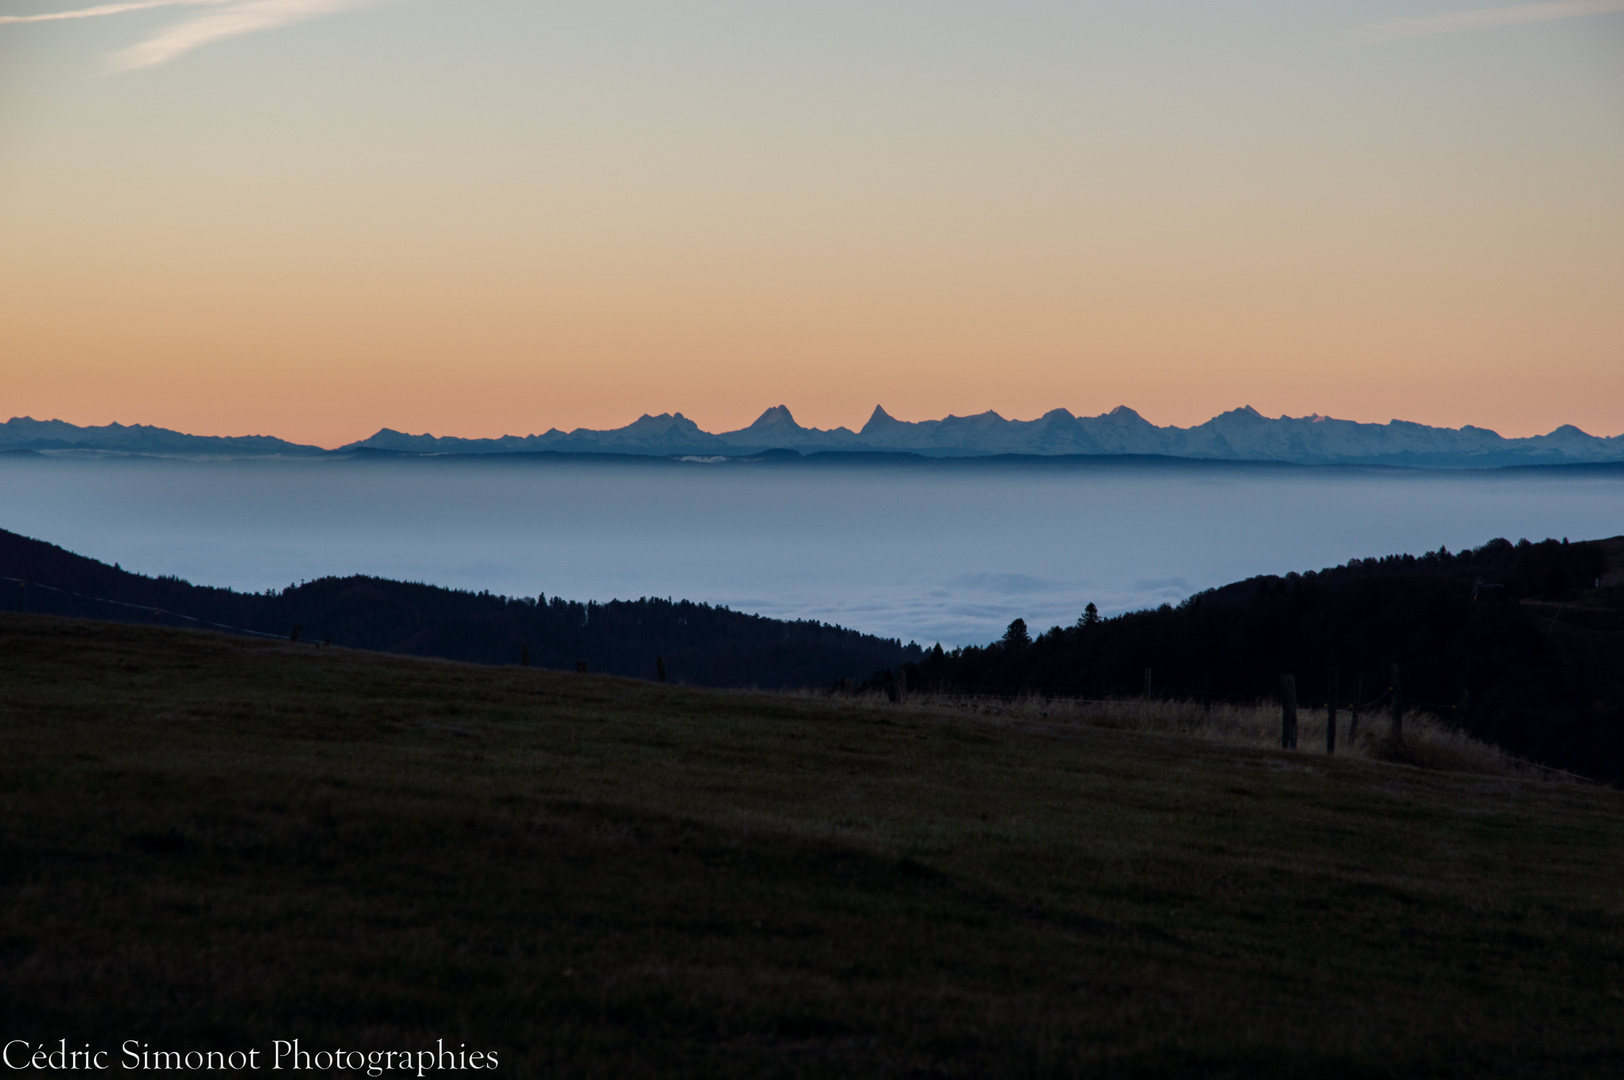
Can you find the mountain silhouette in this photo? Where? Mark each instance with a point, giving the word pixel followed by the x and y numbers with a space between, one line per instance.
pixel 1241 434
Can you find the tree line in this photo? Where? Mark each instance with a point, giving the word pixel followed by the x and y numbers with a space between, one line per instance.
pixel 1517 643
pixel 683 641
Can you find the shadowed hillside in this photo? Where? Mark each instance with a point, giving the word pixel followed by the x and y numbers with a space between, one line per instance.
pixel 1520 644
pixel 699 644
pixel 212 842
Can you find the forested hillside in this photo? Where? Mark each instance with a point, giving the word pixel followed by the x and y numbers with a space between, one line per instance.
pixel 697 643
pixel 1520 644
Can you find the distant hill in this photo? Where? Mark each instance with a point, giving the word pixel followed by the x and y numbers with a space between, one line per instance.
pixel 1238 435
pixel 1519 644
pixel 699 644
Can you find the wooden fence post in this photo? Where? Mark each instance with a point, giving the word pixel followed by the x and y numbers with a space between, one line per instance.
pixel 524 656
pixel 659 668
pixel 1288 712
pixel 1147 682
pixel 1398 706
pixel 1335 678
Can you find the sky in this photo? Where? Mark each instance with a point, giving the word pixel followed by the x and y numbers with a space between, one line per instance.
pixel 316 218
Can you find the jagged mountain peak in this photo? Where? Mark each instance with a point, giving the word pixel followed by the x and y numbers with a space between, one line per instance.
pixel 776 417
pixel 1123 414
pixel 1245 412
pixel 877 420
pixel 663 420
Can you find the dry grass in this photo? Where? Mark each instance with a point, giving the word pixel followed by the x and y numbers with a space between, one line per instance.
pixel 1428 741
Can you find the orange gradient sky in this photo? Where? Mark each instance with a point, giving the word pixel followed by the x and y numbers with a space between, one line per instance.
pixel 313 218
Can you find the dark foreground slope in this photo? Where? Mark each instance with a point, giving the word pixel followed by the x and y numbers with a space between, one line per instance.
pixel 210 841
pixel 1520 644
pixel 700 644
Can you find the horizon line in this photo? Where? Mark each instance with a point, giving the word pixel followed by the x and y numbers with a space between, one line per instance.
pixel 879 412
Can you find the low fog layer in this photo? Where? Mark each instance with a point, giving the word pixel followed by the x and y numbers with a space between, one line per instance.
pixel 929 552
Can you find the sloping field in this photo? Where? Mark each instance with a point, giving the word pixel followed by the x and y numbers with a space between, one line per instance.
pixel 208 842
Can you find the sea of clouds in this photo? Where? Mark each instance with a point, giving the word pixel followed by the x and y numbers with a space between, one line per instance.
pixel 943 551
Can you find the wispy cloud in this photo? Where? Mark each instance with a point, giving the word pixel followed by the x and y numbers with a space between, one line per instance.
pixel 239 18
pixel 1455 21
pixel 103 9
pixel 229 18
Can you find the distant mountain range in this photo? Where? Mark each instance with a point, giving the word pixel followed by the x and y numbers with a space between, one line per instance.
pixel 1238 435
pixel 26 433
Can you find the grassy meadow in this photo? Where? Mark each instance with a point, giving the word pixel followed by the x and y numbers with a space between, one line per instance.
pixel 207 841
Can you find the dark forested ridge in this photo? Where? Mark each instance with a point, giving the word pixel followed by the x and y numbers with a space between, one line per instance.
pixel 1520 644
pixel 699 644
